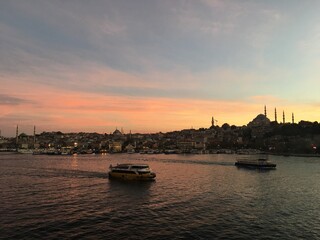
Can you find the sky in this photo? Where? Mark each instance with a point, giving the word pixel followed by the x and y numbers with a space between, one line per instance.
pixel 150 66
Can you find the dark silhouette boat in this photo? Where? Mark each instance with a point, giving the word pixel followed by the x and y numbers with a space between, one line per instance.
pixel 259 162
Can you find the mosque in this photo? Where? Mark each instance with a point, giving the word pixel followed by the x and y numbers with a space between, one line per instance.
pixel 275 115
pixel 261 123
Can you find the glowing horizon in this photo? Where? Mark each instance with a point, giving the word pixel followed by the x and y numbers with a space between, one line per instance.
pixel 150 66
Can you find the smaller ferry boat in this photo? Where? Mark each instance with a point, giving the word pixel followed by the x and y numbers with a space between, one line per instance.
pixel 256 162
pixel 129 171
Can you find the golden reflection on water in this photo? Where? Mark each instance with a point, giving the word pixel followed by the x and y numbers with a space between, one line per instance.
pixel 74 162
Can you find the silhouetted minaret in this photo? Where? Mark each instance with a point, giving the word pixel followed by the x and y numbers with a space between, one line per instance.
pixel 34 134
pixel 283 117
pixel 292 118
pixel 212 121
pixel 17 134
pixel 275 115
pixel 265 110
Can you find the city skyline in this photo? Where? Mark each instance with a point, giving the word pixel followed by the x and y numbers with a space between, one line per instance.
pixel 27 130
pixel 151 66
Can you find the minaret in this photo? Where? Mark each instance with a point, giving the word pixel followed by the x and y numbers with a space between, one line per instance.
pixel 212 122
pixel 275 114
pixel 283 117
pixel 34 135
pixel 292 118
pixel 17 133
pixel 265 110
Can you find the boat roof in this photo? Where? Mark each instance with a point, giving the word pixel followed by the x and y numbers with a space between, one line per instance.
pixel 131 164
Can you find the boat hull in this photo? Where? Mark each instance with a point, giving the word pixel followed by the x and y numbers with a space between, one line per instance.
pixel 132 176
pixel 256 165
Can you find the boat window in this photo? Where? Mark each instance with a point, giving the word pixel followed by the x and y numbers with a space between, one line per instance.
pixel 122 171
pixel 140 167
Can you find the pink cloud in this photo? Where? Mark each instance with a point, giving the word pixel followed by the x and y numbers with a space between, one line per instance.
pixel 54 107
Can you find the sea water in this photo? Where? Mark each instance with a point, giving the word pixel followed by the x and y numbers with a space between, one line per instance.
pixel 193 197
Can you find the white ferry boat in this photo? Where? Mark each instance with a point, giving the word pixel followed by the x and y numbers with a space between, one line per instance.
pixel 131 172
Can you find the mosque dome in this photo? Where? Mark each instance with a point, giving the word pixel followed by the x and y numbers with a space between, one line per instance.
pixel 260 120
pixel 117 133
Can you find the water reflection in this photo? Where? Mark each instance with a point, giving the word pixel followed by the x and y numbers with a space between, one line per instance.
pixel 129 189
pixel 74 161
pixel 193 197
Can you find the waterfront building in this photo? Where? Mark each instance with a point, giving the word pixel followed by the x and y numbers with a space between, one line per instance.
pixel 185 144
pixel 130 148
pixel 115 146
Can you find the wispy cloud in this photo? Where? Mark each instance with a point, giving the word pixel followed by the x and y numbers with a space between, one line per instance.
pixel 112 63
pixel 11 100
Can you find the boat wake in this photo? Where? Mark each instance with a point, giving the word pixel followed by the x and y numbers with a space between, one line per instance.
pixel 186 161
pixel 55 172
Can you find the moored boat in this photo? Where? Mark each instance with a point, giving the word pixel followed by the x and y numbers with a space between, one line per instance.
pixel 131 172
pixel 257 162
pixel 25 151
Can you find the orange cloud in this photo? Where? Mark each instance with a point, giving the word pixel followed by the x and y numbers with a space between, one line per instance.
pixel 54 107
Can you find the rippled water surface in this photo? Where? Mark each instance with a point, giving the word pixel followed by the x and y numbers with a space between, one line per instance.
pixel 193 197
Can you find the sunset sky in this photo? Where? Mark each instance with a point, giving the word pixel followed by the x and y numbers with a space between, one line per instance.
pixel 150 66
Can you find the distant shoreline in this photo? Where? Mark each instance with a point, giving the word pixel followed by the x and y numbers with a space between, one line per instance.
pixel 295 154
pixel 274 154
